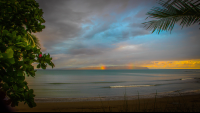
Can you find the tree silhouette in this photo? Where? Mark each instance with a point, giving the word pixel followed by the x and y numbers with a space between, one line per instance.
pixel 187 12
pixel 19 49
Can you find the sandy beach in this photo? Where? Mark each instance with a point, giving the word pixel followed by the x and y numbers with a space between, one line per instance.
pixel 183 102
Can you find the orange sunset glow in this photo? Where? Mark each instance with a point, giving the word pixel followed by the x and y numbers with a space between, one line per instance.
pixel 130 66
pixel 103 67
pixel 183 64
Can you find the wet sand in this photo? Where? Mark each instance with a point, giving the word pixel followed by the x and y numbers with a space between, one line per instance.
pixel 166 103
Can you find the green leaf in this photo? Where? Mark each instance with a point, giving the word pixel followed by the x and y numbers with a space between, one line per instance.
pixel 38 66
pixel 5 32
pixel 20 73
pixel 1 56
pixel 14 33
pixel 20 63
pixel 43 66
pixel 21 78
pixel 15 87
pixel 28 47
pixel 9 9
pixel 19 37
pixel 30 91
pixel 11 60
pixel 26 95
pixel 9 52
pixel 19 43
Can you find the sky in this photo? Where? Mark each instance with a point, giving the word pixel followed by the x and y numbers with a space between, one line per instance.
pixel 103 33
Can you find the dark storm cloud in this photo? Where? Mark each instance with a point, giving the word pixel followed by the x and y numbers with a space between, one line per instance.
pixel 64 17
pixel 61 22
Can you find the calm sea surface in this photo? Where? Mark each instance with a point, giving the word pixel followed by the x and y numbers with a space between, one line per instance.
pixel 95 83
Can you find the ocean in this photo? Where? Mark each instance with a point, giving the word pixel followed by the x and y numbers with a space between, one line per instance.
pixel 110 83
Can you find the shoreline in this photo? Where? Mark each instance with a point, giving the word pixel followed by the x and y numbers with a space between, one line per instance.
pixel 183 102
pixel 112 98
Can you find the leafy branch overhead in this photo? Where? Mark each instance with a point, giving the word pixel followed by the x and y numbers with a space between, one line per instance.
pixel 19 49
pixel 187 12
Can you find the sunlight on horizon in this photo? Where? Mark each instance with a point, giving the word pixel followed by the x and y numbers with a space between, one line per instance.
pixel 103 67
pixel 185 64
pixel 182 64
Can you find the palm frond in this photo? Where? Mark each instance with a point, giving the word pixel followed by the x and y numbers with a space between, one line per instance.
pixel 187 12
pixel 32 40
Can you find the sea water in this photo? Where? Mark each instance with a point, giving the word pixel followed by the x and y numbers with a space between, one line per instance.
pixel 109 83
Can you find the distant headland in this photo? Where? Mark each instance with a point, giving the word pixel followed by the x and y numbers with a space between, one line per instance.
pixel 107 68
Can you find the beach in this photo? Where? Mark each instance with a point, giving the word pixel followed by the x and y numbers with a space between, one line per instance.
pixel 165 103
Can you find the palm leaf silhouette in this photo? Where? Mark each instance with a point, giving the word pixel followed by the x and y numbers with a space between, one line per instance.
pixel 187 12
pixel 32 40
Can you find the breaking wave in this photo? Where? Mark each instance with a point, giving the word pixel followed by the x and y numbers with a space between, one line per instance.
pixel 188 78
pixel 131 86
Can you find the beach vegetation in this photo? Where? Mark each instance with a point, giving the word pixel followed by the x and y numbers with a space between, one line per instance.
pixel 168 103
pixel 184 12
pixel 19 49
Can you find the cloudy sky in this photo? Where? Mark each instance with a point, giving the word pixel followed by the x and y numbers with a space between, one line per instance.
pixel 86 33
